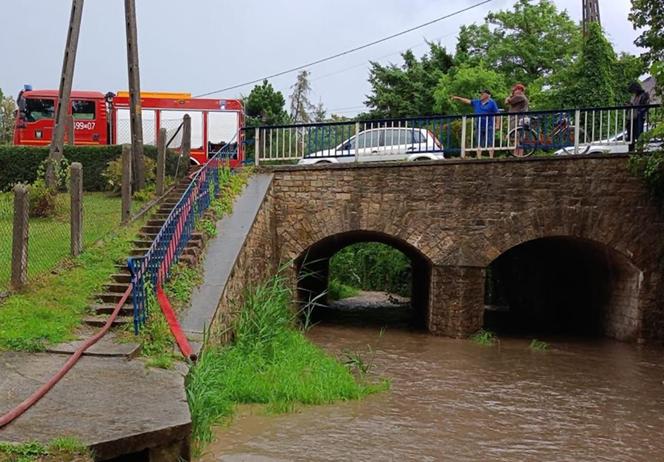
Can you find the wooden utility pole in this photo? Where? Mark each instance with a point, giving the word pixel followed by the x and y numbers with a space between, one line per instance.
pixel 134 95
pixel 55 153
pixel 590 14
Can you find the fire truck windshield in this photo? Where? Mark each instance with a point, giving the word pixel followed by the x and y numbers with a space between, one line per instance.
pixel 39 108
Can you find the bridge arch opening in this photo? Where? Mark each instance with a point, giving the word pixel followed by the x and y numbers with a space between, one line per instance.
pixel 563 286
pixel 315 272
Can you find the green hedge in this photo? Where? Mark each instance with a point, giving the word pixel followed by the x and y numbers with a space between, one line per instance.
pixel 20 163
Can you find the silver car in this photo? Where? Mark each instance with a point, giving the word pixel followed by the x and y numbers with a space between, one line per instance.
pixel 381 144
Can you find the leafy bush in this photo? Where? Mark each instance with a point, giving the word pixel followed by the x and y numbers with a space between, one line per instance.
pixel 338 291
pixel 113 174
pixel 42 199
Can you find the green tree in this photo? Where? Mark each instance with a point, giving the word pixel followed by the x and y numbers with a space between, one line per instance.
pixel 530 41
pixel 593 83
pixel 628 68
pixel 7 116
pixel 265 106
pixel 596 78
pixel 648 15
pixel 301 109
pixel 407 90
pixel 467 81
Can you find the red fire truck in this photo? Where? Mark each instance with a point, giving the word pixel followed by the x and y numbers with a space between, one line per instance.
pixel 104 119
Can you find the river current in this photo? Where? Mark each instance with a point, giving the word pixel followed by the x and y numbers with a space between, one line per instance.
pixel 455 400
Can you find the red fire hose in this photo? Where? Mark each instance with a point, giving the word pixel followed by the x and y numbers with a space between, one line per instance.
pixel 173 323
pixel 37 395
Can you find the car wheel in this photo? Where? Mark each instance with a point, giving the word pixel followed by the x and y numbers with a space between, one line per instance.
pixel 323 162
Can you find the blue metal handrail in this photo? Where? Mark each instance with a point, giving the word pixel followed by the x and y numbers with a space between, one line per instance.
pixel 149 271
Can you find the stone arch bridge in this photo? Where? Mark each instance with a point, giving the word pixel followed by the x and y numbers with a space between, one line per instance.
pixel 580 222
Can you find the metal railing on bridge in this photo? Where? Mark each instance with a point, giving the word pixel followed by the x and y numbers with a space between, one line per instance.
pixel 573 131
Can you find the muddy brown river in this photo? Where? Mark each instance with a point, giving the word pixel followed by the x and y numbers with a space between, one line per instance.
pixel 583 400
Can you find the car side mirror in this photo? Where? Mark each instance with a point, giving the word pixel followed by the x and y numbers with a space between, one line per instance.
pixel 346 147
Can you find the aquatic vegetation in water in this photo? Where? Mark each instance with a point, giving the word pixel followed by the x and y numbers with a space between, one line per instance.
pixel 538 345
pixel 484 337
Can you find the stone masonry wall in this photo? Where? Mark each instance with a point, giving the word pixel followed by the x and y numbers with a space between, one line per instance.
pixel 257 262
pixel 467 213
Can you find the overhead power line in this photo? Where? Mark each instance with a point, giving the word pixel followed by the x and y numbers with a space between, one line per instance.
pixel 352 50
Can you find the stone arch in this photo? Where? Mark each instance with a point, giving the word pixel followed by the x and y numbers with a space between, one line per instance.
pixel 567 283
pixel 515 228
pixel 312 266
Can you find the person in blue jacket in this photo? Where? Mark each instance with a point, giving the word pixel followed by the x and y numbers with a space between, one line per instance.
pixel 484 125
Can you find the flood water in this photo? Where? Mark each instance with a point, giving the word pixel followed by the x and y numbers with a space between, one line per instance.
pixel 582 400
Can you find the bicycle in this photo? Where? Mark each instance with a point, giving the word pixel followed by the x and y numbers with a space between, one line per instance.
pixel 528 136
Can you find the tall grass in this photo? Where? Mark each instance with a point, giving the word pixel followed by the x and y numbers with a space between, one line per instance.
pixel 270 362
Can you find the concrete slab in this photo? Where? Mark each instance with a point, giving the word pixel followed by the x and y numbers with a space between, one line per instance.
pixel 106 347
pixel 222 252
pixel 114 405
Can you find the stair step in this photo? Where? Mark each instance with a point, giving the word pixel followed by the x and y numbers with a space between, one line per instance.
pixel 124 278
pixel 116 287
pixel 109 297
pixel 155 222
pixel 189 260
pixel 107 308
pixel 142 242
pixel 99 321
pixel 150 228
pixel 138 252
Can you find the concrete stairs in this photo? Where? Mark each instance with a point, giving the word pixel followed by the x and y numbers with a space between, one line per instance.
pixel 112 292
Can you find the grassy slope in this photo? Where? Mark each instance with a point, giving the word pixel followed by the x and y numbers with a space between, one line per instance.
pixel 49 237
pixel 270 362
pixel 51 308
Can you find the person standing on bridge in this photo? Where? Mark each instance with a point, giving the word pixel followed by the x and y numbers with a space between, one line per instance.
pixel 518 104
pixel 483 123
pixel 637 114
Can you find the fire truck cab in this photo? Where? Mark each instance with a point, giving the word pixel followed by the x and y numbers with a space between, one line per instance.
pixel 36 113
pixel 104 119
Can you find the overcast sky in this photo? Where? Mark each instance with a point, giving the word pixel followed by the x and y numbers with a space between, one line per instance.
pixel 202 45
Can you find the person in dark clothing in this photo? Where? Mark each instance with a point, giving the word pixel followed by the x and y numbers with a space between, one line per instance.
pixel 517 103
pixel 636 115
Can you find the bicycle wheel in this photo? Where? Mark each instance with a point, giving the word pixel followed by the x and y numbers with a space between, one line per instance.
pixel 525 141
pixel 583 146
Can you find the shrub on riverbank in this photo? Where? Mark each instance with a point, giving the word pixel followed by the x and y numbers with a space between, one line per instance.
pixel 372 266
pixel 338 291
pixel 270 362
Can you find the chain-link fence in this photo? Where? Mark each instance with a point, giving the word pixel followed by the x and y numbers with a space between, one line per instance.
pixel 49 238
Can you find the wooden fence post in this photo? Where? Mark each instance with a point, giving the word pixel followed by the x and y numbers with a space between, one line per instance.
pixel 186 138
pixel 126 183
pixel 161 161
pixel 76 192
pixel 20 237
